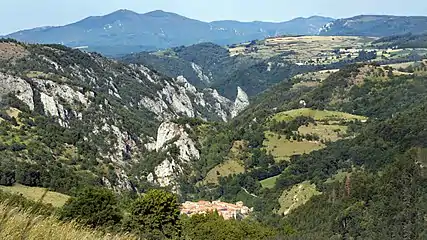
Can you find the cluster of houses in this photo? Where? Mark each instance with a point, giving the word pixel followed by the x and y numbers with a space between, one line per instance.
pixel 226 210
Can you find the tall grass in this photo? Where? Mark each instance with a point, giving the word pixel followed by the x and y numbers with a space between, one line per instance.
pixel 20 225
pixel 35 223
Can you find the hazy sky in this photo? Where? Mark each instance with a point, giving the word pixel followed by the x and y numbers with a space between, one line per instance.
pixel 23 14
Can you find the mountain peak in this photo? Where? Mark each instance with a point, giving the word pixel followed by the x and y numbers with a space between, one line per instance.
pixel 159 13
pixel 123 12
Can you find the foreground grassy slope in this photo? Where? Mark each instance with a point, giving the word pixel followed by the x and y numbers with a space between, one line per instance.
pixel 16 224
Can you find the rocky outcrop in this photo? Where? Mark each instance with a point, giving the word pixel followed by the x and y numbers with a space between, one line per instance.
pixel 122 182
pixel 241 102
pixel 198 70
pixel 170 134
pixel 180 98
pixel 118 106
pixel 222 106
pixel 54 96
pixel 166 173
pixel 18 87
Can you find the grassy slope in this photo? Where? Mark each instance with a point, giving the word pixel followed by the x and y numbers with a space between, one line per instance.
pixel 35 193
pixel 326 132
pixel 269 182
pixel 282 149
pixel 20 225
pixel 318 115
pixel 227 168
pixel 233 165
pixel 296 196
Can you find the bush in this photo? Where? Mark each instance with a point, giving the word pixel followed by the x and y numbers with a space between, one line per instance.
pixel 7 178
pixel 155 216
pixel 214 226
pixel 94 207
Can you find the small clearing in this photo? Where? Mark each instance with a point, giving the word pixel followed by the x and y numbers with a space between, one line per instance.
pixel 269 182
pixel 227 168
pixel 12 51
pixel 326 132
pixel 319 75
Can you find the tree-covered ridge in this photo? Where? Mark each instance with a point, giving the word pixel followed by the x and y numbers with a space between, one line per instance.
pixel 408 40
pixel 207 64
pixel 375 26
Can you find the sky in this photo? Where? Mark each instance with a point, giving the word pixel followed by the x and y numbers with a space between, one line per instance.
pixel 24 14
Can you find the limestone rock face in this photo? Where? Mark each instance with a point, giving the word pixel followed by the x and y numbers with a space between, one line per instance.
pixel 169 131
pixel 17 86
pixel 49 105
pixel 167 172
pixel 242 102
pixel 180 98
pixel 70 95
pixel 53 96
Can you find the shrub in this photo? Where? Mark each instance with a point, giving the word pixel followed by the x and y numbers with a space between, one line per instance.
pixel 156 215
pixel 93 207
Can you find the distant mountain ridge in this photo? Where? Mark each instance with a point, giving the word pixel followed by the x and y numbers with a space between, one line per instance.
pixel 375 26
pixel 125 31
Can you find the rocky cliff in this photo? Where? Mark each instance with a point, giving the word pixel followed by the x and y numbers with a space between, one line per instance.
pixel 242 102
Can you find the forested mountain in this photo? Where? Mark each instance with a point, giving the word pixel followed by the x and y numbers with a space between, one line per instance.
pixel 125 31
pixel 376 163
pixel 375 26
pixel 69 118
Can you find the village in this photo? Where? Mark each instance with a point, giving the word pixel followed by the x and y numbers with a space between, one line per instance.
pixel 226 210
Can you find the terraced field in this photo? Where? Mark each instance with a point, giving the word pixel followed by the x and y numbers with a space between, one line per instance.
pixel 305 49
